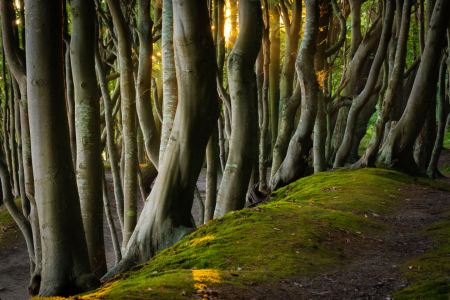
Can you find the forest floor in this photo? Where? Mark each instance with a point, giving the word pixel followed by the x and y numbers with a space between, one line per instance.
pixel 368 234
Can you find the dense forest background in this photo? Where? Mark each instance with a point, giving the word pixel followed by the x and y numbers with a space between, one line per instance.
pixel 263 92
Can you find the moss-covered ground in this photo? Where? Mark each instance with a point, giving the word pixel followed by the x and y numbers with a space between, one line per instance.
pixel 300 231
pixel 8 229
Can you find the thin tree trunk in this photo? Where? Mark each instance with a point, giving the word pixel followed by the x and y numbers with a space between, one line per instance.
pixel 211 176
pixel 361 100
pixel 166 217
pixel 12 142
pixel 143 103
pixel 128 94
pixel 432 167
pixel 295 165
pixel 398 146
pixel 66 269
pixel 70 94
pixel 242 83
pixel 170 90
pixel 274 73
pixel 395 82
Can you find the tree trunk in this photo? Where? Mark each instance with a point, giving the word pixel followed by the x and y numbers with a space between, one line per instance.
pixel 143 101
pixel 166 217
pixel 362 99
pixel 295 164
pixel 170 90
pixel 242 83
pixel 66 270
pixel 432 166
pixel 398 146
pixel 87 127
pixel 128 94
pixel 274 73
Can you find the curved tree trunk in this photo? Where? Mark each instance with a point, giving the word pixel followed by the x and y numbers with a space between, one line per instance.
pixel 170 90
pixel 295 165
pixel 398 146
pixel 359 103
pixel 166 217
pixel 395 82
pixel 144 75
pixel 64 250
pixel 242 82
pixel 128 94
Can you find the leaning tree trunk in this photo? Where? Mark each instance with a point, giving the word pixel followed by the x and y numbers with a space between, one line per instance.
pixel 443 113
pixel 360 101
pixel 295 164
pixel 395 82
pixel 87 126
pixel 66 269
pixel 128 94
pixel 242 83
pixel 166 217
pixel 289 102
pixel 397 150
pixel 144 76
pixel 170 92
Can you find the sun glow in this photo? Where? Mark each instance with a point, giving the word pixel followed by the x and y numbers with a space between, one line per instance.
pixel 227 29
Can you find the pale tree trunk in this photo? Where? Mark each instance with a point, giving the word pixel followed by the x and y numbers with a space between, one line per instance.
pixel 170 90
pixel 87 126
pixel 166 217
pixel 12 142
pixel 362 99
pixel 242 83
pixel 395 82
pixel 143 101
pixel 66 269
pixel 398 146
pixel 70 102
pixel 128 95
pixel 295 164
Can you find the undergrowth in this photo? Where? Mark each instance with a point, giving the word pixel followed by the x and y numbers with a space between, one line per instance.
pixel 9 231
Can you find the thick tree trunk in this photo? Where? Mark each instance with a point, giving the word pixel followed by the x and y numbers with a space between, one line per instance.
pixel 66 269
pixel 166 217
pixel 295 164
pixel 128 94
pixel 87 126
pixel 398 146
pixel 359 103
pixel 242 83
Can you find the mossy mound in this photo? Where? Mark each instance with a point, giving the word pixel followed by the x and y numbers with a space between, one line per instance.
pixel 9 231
pixel 301 231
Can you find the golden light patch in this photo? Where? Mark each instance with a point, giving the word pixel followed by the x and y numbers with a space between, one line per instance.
pixel 204 276
pixel 198 241
pixel 101 292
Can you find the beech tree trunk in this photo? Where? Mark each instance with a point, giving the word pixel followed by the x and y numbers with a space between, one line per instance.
pixel 397 150
pixel 166 217
pixel 66 269
pixel 242 83
pixel 295 164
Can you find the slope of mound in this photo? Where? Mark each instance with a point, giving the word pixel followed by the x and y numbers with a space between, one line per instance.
pixel 313 225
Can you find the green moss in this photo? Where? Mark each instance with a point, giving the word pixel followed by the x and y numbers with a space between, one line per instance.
pixel 7 233
pixel 428 270
pixel 302 230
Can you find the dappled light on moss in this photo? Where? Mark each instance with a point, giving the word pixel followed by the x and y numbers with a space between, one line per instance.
pixel 198 241
pixel 202 277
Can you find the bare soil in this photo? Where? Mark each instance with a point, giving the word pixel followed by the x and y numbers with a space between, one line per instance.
pixel 373 273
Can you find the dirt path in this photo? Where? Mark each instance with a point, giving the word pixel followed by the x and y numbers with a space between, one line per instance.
pixel 14 261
